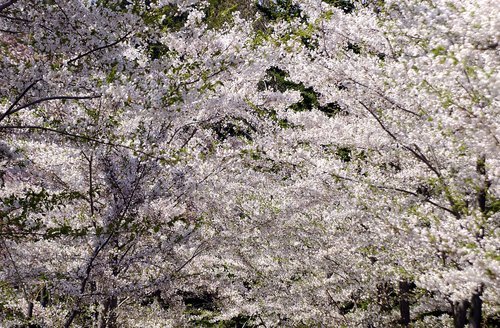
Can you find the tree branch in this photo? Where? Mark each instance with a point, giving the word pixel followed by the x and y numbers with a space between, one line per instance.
pixel 417 153
pixel 71 61
pixel 10 110
pixel 387 99
pixel 404 191
pixel 16 18
pixel 85 279
pixel 53 98
pixel 7 4
pixel 78 136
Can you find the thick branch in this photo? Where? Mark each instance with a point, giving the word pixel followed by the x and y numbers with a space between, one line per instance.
pixel 7 4
pixel 10 31
pixel 85 279
pixel 16 101
pixel 417 152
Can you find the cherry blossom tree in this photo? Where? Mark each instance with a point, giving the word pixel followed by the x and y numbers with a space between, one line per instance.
pixel 313 163
pixel 111 124
pixel 412 144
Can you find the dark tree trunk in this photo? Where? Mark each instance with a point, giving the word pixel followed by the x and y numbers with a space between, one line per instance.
pixel 29 313
pixel 44 297
pixel 460 313
pixel 476 309
pixel 481 195
pixel 476 301
pixel 70 319
pixel 107 316
pixel 404 302
pixel 385 291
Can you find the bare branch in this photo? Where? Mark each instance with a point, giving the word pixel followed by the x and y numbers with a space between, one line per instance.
pixel 416 152
pixel 71 61
pixel 10 110
pixel 387 99
pixel 427 200
pixel 196 252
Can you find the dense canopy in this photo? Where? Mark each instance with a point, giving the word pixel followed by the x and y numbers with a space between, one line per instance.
pixel 271 163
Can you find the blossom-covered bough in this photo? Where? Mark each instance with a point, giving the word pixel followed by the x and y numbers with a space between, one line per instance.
pixel 109 124
pixel 409 161
pixel 313 163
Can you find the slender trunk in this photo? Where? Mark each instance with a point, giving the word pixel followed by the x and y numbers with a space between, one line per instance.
pixel 460 313
pixel 481 194
pixel 29 313
pixel 44 297
pixel 384 297
pixel 476 309
pixel 101 323
pixel 70 319
pixel 404 302
pixel 93 289
pixel 107 316
pixel 476 302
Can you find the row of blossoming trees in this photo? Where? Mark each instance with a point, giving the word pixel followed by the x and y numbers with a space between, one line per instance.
pixel 177 163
